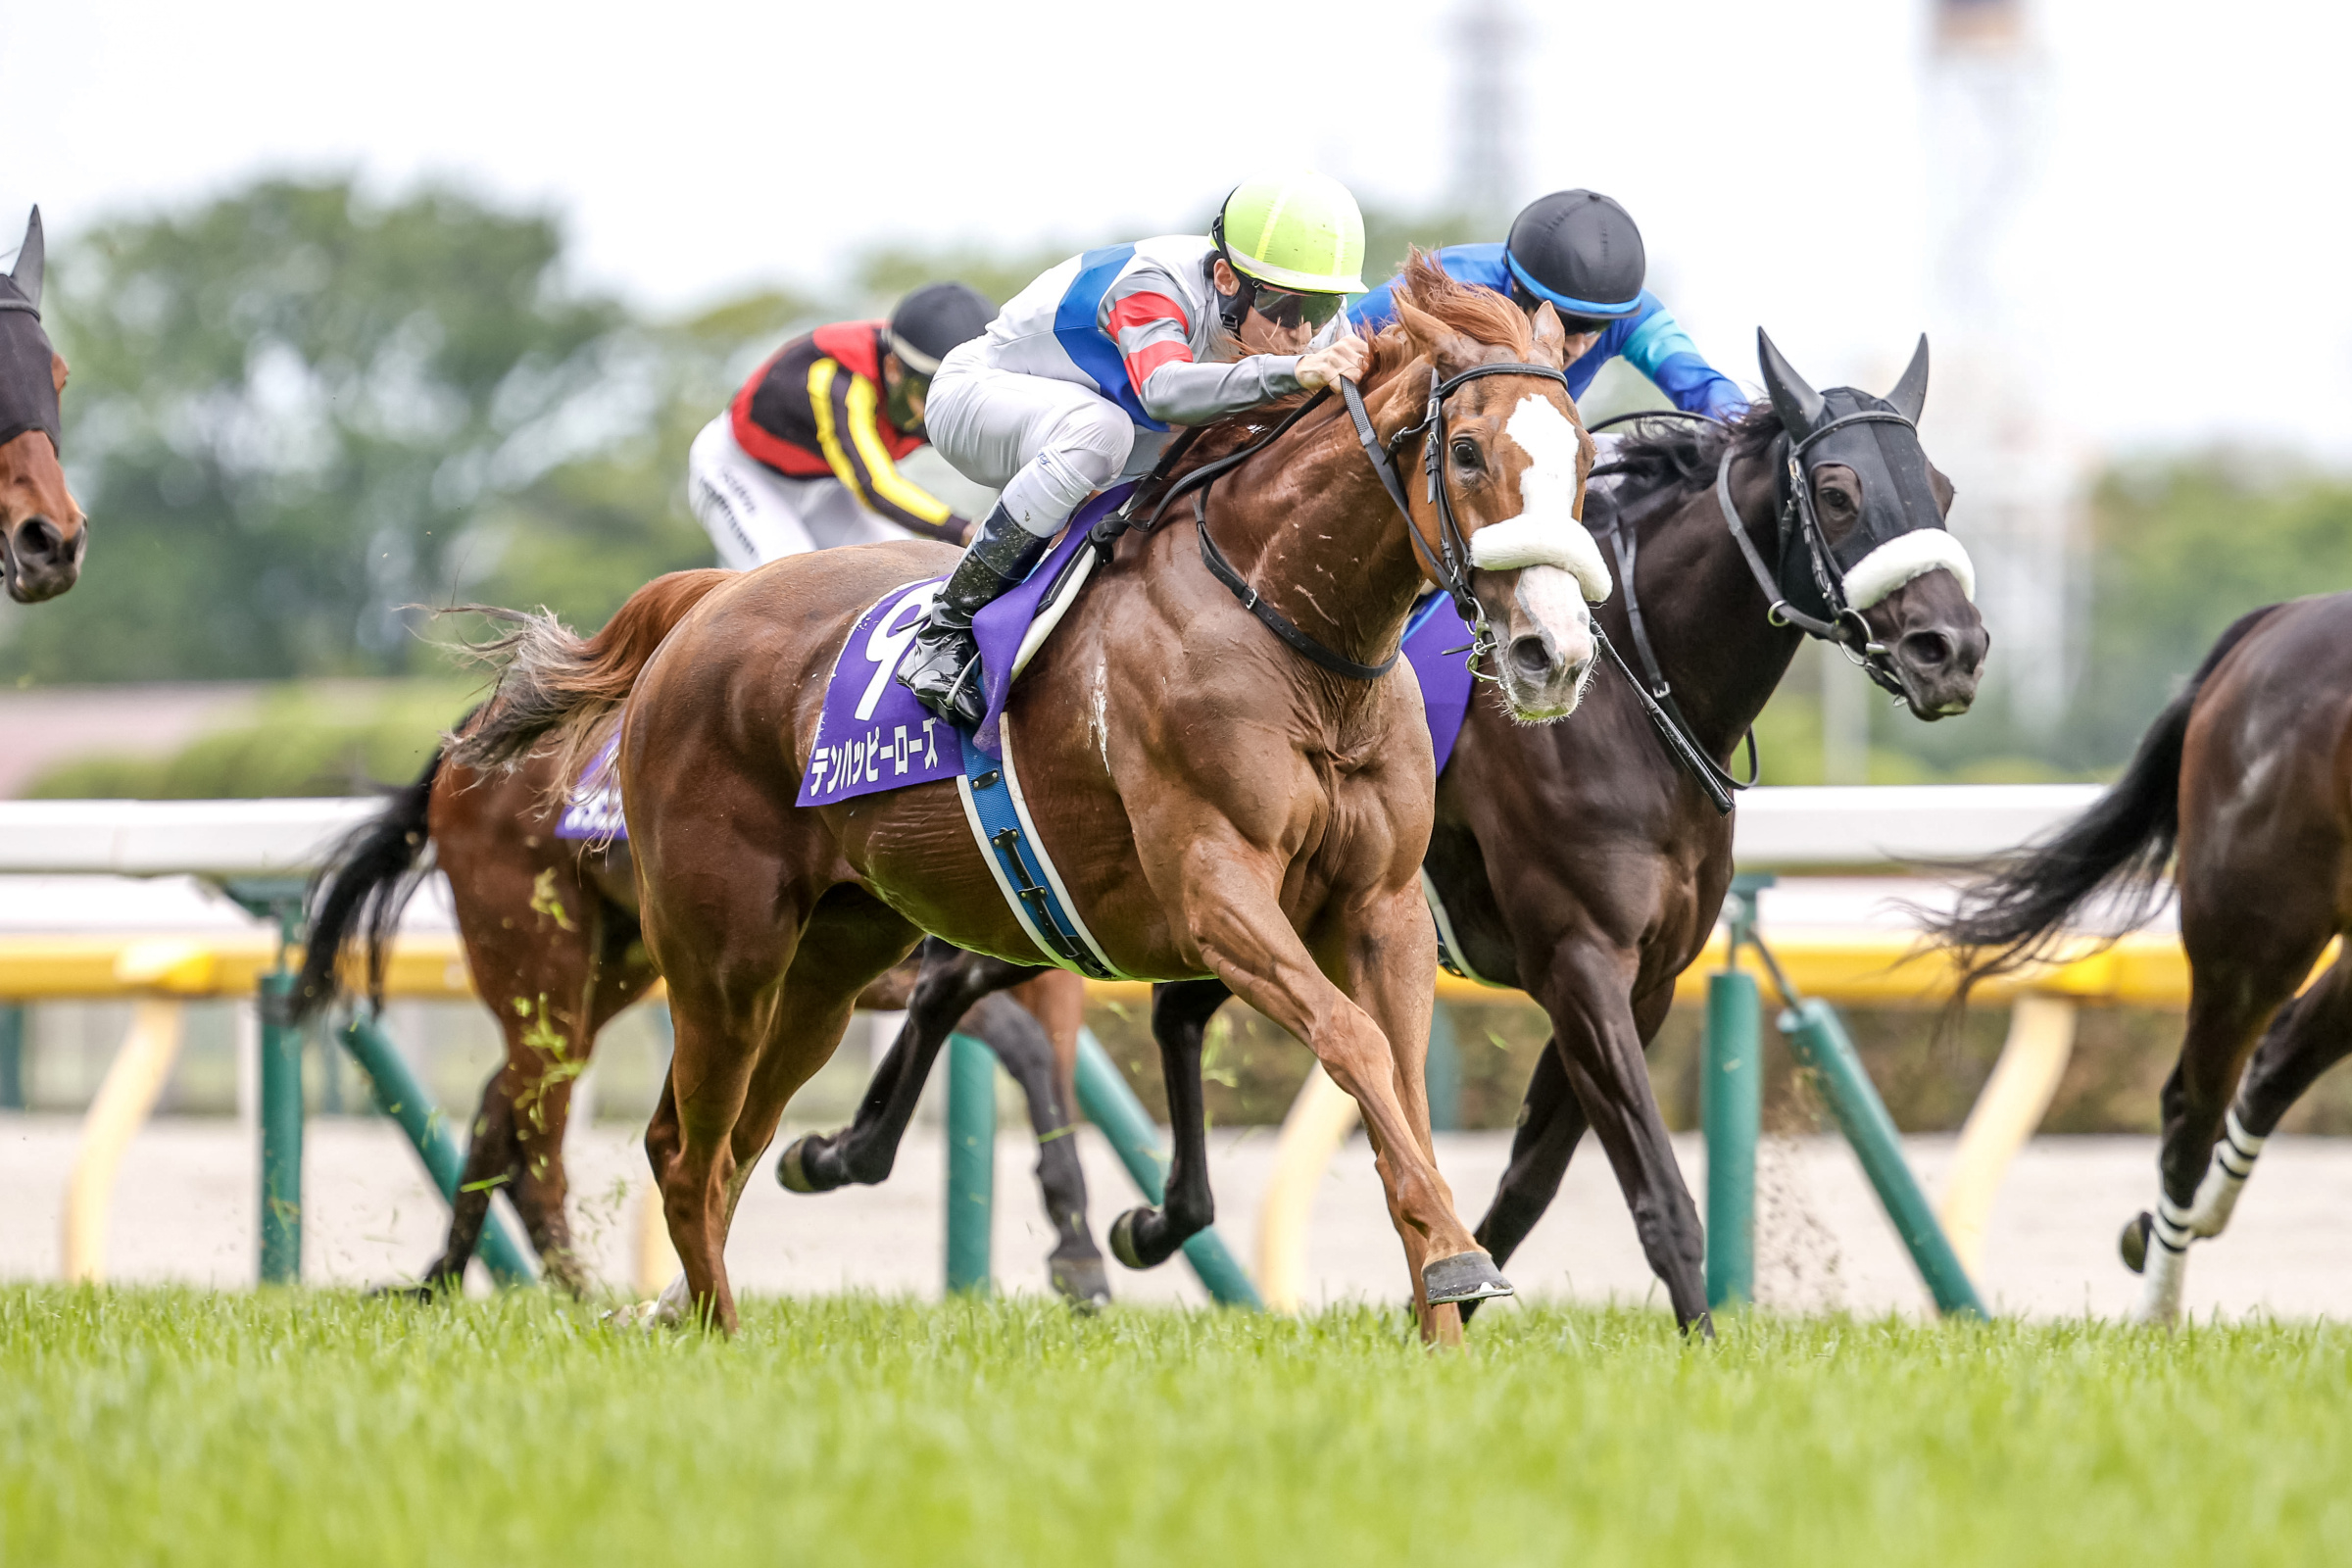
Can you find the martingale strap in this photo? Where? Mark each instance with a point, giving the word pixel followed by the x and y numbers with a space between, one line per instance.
pixel 998 816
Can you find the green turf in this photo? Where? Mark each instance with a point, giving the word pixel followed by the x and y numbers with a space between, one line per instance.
pixel 315 1427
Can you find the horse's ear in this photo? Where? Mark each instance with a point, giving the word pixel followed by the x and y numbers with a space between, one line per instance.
pixel 1799 406
pixel 1910 394
pixel 30 258
pixel 1450 351
pixel 1551 338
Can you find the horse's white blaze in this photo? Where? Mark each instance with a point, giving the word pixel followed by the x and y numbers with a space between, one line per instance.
pixel 1545 533
pixel 1553 600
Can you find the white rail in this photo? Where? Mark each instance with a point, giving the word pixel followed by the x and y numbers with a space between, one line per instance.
pixel 1825 828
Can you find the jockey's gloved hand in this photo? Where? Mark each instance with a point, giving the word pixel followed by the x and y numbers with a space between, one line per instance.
pixel 1344 360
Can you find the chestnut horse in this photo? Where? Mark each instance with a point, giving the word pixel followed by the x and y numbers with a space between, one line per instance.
pixel 1221 804
pixel 2244 784
pixel 41 525
pixel 551 936
pixel 1596 920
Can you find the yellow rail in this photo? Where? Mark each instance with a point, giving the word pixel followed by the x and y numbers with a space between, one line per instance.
pixel 1858 968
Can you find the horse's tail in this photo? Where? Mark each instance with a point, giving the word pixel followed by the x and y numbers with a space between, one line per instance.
pixel 555 680
pixel 364 883
pixel 2016 916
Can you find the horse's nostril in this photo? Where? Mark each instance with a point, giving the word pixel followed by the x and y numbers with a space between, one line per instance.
pixel 1531 656
pixel 38 541
pixel 1928 649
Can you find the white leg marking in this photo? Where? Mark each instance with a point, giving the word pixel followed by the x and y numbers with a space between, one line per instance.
pixel 2233 1163
pixel 2166 1269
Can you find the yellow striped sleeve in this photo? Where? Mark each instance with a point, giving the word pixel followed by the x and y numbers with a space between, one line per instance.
pixel 890 487
pixel 828 439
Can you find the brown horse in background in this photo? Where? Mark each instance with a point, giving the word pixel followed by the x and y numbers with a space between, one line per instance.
pixel 1221 807
pixel 2244 783
pixel 551 940
pixel 42 532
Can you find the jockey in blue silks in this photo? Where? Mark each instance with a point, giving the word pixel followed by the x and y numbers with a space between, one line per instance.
pixel 1581 252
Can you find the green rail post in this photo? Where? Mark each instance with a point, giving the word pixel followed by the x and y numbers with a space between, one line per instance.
pixel 1731 1109
pixel 400 1096
pixel 971 1162
pixel 12 1056
pixel 1730 1106
pixel 281 1131
pixel 1108 1102
pixel 1442 1073
pixel 278 900
pixel 1819 1042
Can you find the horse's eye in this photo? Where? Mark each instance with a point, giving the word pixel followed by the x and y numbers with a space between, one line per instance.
pixel 1465 453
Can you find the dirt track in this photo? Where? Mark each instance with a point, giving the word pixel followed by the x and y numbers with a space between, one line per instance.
pixel 183 1210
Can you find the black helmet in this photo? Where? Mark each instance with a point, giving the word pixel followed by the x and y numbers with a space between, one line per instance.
pixel 1580 251
pixel 935 318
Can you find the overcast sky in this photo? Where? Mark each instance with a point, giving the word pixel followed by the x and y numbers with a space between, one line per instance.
pixel 2178 273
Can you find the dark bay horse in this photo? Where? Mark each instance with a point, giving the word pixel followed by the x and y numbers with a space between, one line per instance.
pixel 43 535
pixel 2244 785
pixel 551 940
pixel 1220 805
pixel 1578 860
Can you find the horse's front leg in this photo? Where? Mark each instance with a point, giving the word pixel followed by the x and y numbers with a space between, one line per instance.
pixel 1388 952
pixel 1588 990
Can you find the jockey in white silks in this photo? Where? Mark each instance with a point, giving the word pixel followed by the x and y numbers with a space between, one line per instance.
pixel 1077 382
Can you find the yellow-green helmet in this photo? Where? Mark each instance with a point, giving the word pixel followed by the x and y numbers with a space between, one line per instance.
pixel 1294 229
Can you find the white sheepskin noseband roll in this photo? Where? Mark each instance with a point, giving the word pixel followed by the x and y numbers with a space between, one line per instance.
pixel 1532 540
pixel 1907 555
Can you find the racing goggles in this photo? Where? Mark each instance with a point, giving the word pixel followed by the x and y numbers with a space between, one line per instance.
pixel 1286 309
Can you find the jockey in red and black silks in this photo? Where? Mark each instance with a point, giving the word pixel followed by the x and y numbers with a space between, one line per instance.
pixel 807 454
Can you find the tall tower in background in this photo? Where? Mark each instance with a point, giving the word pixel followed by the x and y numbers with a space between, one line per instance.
pixel 2019 479
pixel 1485 37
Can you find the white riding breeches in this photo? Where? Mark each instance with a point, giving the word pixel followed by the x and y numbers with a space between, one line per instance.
pixel 755 515
pixel 1046 444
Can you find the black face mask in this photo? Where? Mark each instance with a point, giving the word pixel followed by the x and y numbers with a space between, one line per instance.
pixel 1898 496
pixel 28 390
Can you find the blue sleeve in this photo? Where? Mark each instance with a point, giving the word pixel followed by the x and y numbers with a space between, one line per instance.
pixel 1655 344
pixel 1481 266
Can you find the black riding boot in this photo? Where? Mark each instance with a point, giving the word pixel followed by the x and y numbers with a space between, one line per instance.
pixel 944 668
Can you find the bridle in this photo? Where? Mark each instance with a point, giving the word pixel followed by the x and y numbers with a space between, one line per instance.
pixel 1845 627
pixel 1447 561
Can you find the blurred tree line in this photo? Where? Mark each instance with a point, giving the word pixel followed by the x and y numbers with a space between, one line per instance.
pixel 298 411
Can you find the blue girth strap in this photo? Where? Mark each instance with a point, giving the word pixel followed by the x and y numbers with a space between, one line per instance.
pixel 1000 821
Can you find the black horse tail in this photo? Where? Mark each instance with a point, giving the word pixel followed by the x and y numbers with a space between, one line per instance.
pixel 361 889
pixel 2017 914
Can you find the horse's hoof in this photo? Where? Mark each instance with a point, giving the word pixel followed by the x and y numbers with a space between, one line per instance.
pixel 792 1167
pixel 2134 1243
pixel 1083 1282
pixel 423 1295
pixel 1463 1277
pixel 1122 1237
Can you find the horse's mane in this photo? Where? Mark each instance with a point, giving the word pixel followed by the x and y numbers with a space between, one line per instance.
pixel 1684 453
pixel 1422 289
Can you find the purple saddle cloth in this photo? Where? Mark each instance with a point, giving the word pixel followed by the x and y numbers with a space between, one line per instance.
pixel 1437 646
pixel 873 735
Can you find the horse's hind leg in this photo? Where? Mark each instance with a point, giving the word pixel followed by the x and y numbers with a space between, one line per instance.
pixel 2311 1034
pixel 1021 1043
pixel 492 1157
pixel 2242 971
pixel 953 981
pixel 1146 1238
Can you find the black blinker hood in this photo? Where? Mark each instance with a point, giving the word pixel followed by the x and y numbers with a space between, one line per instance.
pixel 28 392
pixel 1898 494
